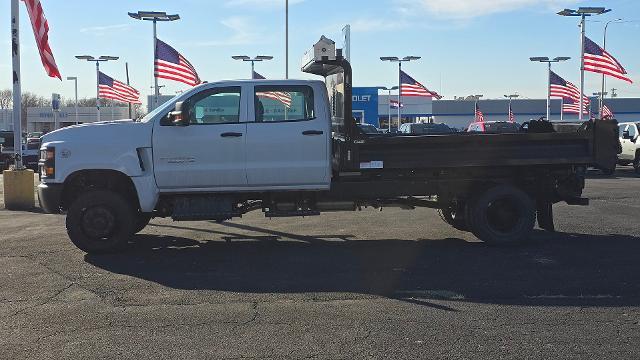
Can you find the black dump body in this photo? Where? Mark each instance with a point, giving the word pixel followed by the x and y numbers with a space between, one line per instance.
pixel 593 143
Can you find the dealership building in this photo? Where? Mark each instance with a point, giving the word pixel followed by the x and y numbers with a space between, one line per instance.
pixel 372 107
pixel 43 119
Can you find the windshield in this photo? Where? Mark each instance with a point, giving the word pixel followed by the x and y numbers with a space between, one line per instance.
pixel 430 129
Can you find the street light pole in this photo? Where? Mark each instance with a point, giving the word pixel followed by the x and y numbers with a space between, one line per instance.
pixel 249 59
pixel 97 61
pixel 388 89
pixel 604 47
pixel 154 16
pixel 510 97
pixel 399 61
pixel 75 80
pixel 582 12
pixel 544 59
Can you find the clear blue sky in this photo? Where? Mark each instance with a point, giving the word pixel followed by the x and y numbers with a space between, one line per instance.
pixel 467 46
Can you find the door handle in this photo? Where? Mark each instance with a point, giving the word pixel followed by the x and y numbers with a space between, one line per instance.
pixel 231 134
pixel 312 132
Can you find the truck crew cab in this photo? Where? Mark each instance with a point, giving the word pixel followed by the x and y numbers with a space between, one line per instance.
pixel 292 148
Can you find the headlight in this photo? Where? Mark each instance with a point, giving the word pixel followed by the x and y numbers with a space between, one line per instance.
pixel 48 162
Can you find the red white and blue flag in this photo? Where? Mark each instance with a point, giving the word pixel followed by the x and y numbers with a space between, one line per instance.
pixel 410 87
pixel 560 88
pixel 512 117
pixel 171 65
pixel 572 106
pixel 280 96
pixel 479 114
pixel 598 60
pixel 395 104
pixel 41 31
pixel 606 112
pixel 109 88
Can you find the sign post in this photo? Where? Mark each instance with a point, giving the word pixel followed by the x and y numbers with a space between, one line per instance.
pixel 55 106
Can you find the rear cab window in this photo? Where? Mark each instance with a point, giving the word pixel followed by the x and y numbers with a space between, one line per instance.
pixel 278 103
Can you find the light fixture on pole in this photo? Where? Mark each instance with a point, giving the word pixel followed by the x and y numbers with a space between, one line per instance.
pixel 97 61
pixel 604 47
pixel 255 59
pixel 154 16
pixel 544 59
pixel 389 89
pixel 75 80
pixel 399 61
pixel 582 12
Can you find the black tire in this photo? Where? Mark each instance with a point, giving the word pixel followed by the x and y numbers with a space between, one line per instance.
pixel 100 221
pixel 142 220
pixel 502 215
pixel 636 163
pixel 454 215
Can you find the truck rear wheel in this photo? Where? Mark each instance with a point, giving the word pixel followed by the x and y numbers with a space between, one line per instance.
pixel 100 221
pixel 636 163
pixel 502 215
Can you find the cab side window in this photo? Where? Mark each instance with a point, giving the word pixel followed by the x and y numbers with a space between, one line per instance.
pixel 277 103
pixel 632 131
pixel 215 106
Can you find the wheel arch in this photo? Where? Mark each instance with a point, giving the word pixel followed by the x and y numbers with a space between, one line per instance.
pixel 81 181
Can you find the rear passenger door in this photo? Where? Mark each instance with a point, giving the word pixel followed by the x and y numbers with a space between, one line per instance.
pixel 288 139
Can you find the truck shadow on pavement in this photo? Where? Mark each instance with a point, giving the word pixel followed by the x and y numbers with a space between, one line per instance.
pixel 554 269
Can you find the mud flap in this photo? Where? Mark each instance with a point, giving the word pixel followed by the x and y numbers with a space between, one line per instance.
pixel 544 214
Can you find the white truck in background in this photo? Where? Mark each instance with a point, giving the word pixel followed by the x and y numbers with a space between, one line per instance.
pixel 629 140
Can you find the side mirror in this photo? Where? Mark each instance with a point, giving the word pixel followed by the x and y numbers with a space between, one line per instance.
pixel 625 135
pixel 180 116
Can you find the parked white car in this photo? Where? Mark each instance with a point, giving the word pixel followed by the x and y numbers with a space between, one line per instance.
pixel 629 133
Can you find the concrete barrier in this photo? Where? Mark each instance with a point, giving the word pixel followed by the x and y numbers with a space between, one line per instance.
pixel 18 189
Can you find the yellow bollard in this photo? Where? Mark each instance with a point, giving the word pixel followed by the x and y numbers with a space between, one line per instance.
pixel 19 193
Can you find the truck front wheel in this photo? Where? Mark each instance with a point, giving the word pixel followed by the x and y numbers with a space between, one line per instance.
pixel 502 215
pixel 636 162
pixel 100 221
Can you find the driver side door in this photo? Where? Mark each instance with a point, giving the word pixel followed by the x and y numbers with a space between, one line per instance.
pixel 210 152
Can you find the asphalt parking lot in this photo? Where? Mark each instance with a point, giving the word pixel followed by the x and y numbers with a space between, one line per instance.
pixel 390 284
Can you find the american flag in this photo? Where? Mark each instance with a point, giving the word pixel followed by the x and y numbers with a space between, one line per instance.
pixel 109 88
pixel 606 112
pixel 169 64
pixel 41 31
pixel 410 87
pixel 560 88
pixel 512 117
pixel 280 96
pixel 571 106
pixel 395 104
pixel 479 114
pixel 598 60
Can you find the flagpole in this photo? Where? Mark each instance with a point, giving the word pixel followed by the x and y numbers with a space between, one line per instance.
pixel 561 107
pixel 389 112
pixel 399 93
pixel 582 23
pixel 98 90
pixel 549 92
pixel 17 92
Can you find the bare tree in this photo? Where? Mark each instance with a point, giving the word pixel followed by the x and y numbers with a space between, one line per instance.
pixel 6 99
pixel 30 99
